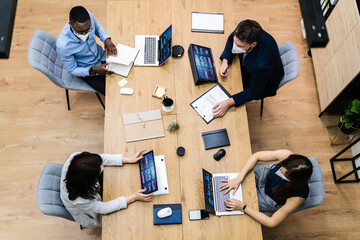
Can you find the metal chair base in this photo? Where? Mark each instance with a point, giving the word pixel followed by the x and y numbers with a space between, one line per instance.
pixel 68 101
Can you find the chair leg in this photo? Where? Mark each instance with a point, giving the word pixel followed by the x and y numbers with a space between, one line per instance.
pixel 261 107
pixel 67 98
pixel 98 96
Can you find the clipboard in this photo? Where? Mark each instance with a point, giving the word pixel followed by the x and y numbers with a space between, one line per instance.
pixel 143 125
pixel 203 105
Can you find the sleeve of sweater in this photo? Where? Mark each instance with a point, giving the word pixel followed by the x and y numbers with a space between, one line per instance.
pixel 105 207
pixel 259 79
pixel 227 53
pixel 112 159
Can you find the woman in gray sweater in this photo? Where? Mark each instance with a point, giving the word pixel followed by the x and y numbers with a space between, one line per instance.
pixel 81 186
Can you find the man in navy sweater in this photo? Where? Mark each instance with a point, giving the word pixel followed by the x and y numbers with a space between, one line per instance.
pixel 260 62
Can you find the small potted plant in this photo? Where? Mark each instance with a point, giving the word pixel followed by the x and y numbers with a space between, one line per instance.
pixel 173 126
pixel 350 120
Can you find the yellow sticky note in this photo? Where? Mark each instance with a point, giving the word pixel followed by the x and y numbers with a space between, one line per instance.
pixel 123 82
pixel 160 92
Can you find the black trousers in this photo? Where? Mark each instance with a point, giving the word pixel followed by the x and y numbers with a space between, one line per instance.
pixel 97 82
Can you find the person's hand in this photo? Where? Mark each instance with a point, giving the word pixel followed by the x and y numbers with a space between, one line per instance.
pixel 234 204
pixel 230 185
pixel 139 196
pixel 102 69
pixel 223 69
pixel 221 108
pixel 135 158
pixel 110 47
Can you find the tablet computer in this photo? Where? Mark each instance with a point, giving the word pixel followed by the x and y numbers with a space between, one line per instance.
pixel 202 64
pixel 148 172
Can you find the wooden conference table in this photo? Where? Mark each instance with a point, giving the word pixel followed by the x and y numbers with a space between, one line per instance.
pixel 125 19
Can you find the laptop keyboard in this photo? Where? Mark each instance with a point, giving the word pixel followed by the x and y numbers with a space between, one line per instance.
pixel 150 50
pixel 219 196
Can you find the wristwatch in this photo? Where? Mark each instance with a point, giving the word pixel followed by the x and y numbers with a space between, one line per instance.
pixel 243 209
pixel 91 71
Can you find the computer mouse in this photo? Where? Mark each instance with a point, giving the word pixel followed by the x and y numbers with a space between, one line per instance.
pixel 165 212
pixel 219 154
pixel 126 91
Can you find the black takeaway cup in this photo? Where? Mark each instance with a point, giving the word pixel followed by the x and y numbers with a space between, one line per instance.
pixel 167 104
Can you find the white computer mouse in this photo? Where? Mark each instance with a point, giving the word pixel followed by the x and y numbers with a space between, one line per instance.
pixel 127 91
pixel 165 212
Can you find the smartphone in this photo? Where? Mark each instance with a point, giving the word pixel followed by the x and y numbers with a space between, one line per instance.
pixel 198 215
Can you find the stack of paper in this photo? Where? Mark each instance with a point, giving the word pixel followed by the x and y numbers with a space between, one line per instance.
pixel 123 62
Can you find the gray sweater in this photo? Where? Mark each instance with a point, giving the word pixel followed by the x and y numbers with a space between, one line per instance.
pixel 88 212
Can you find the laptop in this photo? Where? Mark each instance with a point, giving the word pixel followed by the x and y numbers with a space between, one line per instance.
pixel 154 50
pixel 214 198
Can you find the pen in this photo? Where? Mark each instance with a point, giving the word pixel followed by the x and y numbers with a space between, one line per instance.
pixel 199 112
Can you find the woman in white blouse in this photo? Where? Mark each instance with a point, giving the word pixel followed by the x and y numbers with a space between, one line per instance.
pixel 80 188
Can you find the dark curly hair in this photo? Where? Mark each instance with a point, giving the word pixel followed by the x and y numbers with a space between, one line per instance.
pixel 82 176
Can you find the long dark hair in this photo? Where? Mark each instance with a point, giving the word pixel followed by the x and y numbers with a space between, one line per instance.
pixel 82 175
pixel 299 170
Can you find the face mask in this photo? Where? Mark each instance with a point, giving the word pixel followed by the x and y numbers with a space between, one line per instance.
pixel 280 174
pixel 237 50
pixel 82 37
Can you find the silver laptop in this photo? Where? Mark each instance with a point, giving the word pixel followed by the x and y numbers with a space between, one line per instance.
pixel 214 198
pixel 154 50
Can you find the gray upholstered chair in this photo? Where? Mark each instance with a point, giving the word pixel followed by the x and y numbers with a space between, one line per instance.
pixel 48 192
pixel 290 60
pixel 317 189
pixel 42 56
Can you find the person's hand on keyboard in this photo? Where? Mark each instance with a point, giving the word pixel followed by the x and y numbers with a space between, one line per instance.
pixel 234 204
pixel 230 185
pixel 102 69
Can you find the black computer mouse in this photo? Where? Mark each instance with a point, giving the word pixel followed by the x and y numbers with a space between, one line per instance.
pixel 219 154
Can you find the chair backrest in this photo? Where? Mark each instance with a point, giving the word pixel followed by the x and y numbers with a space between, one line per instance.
pixel 48 192
pixel 317 189
pixel 42 56
pixel 290 60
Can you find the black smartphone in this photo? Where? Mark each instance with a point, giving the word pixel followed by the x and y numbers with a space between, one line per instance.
pixel 198 215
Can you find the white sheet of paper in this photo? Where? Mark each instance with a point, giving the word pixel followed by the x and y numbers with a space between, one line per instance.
pixel 123 82
pixel 205 103
pixel 207 22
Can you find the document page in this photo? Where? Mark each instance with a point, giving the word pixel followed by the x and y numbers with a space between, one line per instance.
pixel 207 22
pixel 204 104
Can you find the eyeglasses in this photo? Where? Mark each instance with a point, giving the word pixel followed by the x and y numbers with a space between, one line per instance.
pixel 80 32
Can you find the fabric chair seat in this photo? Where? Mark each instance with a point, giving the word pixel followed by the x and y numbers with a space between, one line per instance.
pixel 48 192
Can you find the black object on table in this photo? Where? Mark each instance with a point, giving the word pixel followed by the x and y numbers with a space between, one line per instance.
pixel 217 138
pixel 219 154
pixel 180 151
pixel 352 160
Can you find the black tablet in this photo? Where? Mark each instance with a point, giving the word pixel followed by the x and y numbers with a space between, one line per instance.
pixel 202 64
pixel 148 172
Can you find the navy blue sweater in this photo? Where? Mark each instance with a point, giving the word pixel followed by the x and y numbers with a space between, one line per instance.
pixel 262 70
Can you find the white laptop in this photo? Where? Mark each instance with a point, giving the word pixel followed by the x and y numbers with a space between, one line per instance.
pixel 161 176
pixel 214 198
pixel 154 50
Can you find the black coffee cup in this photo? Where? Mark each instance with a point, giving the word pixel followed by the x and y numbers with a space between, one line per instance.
pixel 167 104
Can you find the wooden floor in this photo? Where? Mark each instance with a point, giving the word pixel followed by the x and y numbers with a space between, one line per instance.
pixel 36 128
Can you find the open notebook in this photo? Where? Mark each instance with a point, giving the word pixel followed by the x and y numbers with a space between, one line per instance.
pixel 123 62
